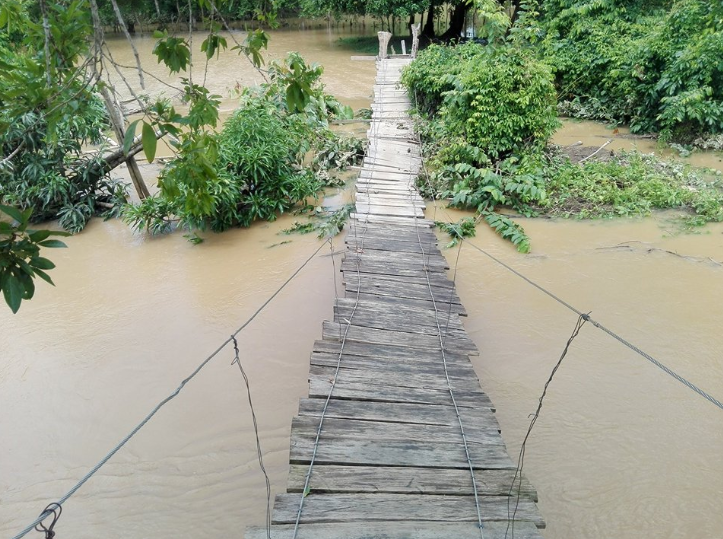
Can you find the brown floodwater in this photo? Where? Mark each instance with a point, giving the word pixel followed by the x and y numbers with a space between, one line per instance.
pixel 620 450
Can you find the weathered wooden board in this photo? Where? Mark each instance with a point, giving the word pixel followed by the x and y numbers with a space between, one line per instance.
pixel 321 386
pixel 400 322
pixel 388 352
pixel 389 210
pixel 436 280
pixel 385 219
pixel 391 245
pixel 401 480
pixel 405 507
pixel 378 267
pixel 377 430
pixel 397 530
pixel 384 367
pixel 395 412
pixel 432 259
pixel 364 311
pixel 383 232
pixel 382 200
pixel 453 340
pixel 421 303
pixel 373 452
pixel 402 290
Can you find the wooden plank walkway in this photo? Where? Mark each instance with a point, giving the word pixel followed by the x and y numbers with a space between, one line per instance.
pixel 391 462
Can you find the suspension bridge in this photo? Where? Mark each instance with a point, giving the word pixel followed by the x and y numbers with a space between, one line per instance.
pixel 397 439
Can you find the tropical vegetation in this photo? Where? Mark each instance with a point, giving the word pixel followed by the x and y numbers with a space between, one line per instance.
pixel 487 111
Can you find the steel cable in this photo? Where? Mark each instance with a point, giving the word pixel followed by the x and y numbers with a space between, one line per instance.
pixel 160 405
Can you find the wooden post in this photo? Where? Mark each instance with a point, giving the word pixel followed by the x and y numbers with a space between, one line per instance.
pixel 117 124
pixel 384 38
pixel 415 38
pixel 404 48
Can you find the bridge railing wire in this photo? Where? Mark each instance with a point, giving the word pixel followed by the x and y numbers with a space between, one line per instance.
pixel 690 385
pixel 48 512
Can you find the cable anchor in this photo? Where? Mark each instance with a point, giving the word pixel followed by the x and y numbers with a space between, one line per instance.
pixel 54 509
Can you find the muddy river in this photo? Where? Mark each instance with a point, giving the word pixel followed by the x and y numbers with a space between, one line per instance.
pixel 620 450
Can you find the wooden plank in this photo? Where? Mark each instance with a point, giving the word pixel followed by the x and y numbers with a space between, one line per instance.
pixel 308 427
pixel 377 267
pixel 421 303
pixel 383 367
pixel 401 290
pixel 431 260
pixel 396 507
pixel 391 245
pixel 321 386
pixel 406 480
pixel 393 233
pixel 436 280
pixel 382 199
pixel 396 530
pixel 396 412
pixel 364 310
pixel 388 352
pixel 389 211
pixel 400 221
pixel 370 452
pixel 454 341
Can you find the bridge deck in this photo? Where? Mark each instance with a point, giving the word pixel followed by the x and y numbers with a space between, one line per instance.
pixel 391 461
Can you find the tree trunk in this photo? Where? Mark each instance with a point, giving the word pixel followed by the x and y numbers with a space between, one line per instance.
pixel 456 22
pixel 428 30
pixel 119 130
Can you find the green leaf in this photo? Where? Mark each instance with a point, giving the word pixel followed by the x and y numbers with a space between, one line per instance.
pixel 129 136
pixel 13 292
pixel 44 276
pixel 12 212
pixel 38 235
pixel 52 244
pixel 41 263
pixel 149 141
pixel 29 286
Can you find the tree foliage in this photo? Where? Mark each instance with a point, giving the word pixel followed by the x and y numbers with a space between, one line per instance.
pixel 655 65
pixel 48 111
pixel 495 110
pixel 20 260
pixel 253 169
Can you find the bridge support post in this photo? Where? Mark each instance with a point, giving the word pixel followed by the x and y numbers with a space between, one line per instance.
pixel 384 38
pixel 415 38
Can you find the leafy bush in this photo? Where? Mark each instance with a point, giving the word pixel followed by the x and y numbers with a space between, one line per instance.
pixel 496 110
pixel 253 169
pixel 654 65
pixel 502 101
